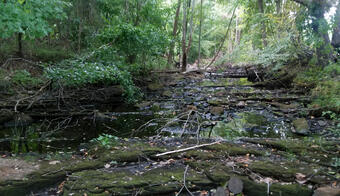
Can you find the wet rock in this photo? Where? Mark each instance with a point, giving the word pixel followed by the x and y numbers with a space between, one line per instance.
pixel 155 86
pixel 220 192
pixel 322 123
pixel 235 185
pixel 100 117
pixel 167 94
pixel 301 126
pixel 5 116
pixel 143 104
pixel 241 104
pixel 329 191
pixel 215 102
pixel 284 106
pixel 217 110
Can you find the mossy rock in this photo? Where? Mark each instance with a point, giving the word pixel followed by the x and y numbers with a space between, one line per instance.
pixel 301 126
pixel 164 180
pixel 155 86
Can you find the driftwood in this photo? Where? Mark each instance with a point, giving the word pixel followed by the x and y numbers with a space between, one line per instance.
pixel 186 149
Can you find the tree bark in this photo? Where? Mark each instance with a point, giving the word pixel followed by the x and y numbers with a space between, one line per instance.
pixel 200 35
pixel 191 26
pixel 336 30
pixel 317 10
pixel 20 53
pixel 264 33
pixel 278 6
pixel 184 35
pixel 174 33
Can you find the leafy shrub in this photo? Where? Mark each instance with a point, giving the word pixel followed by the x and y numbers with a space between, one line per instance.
pixel 135 41
pixel 106 140
pixel 80 73
pixel 326 85
pixel 24 78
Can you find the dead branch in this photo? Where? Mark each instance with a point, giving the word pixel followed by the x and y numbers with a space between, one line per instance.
pixel 184 182
pixel 36 94
pixel 186 149
pixel 222 43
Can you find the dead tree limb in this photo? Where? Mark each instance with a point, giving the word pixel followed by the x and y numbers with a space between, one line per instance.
pixel 186 149
pixel 225 37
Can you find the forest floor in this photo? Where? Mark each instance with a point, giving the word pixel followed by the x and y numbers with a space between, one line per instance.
pixel 218 132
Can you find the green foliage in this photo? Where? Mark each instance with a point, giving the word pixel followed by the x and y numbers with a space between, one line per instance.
pixel 82 73
pixel 106 140
pixel 24 78
pixel 29 17
pixel 336 162
pixel 325 83
pixel 135 41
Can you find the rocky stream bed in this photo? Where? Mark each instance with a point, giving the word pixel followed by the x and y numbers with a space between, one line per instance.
pixel 212 133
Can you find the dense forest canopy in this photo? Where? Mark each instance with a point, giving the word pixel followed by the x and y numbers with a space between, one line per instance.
pixel 133 36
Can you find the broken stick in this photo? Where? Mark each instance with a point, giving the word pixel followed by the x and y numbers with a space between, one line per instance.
pixel 186 149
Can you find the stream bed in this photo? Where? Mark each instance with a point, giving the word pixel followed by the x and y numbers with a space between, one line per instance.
pixel 268 140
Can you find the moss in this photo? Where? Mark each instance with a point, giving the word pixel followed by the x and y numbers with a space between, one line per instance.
pixel 283 172
pixel 155 86
pixel 233 149
pixel 254 189
pixel 158 181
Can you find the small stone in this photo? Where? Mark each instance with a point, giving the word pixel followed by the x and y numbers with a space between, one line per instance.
pixel 217 110
pixel 235 185
pixel 155 86
pixel 329 191
pixel 322 123
pixel 301 126
pixel 167 94
pixel 241 104
pixel 220 192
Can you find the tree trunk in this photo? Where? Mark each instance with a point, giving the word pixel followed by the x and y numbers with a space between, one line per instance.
pixel 20 53
pixel 191 25
pixel 200 35
pixel 184 31
pixel 264 34
pixel 278 6
pixel 237 32
pixel 174 34
pixel 323 49
pixel 317 10
pixel 336 30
